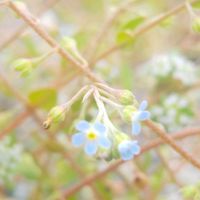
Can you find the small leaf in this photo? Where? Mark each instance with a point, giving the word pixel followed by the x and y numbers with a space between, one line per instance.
pixel 45 98
pixel 123 37
pixel 196 5
pixel 133 23
pixel 125 30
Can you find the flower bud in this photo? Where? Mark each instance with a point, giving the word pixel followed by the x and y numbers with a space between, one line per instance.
pixel 117 138
pixel 196 25
pixel 56 114
pixel 126 97
pixel 128 113
pixel 68 43
pixel 23 65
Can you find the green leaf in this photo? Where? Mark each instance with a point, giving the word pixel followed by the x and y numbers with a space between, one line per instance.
pixel 133 23
pixel 45 98
pixel 123 37
pixel 196 5
pixel 124 34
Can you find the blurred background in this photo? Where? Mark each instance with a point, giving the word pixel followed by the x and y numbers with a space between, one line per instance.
pixel 160 64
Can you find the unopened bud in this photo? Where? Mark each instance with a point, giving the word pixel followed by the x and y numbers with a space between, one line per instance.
pixel 68 43
pixel 57 114
pixel 128 113
pixel 23 65
pixel 47 124
pixel 126 97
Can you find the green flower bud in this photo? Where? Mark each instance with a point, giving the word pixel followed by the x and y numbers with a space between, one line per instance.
pixel 196 25
pixel 68 43
pixel 23 65
pixel 56 114
pixel 126 97
pixel 118 138
pixel 128 113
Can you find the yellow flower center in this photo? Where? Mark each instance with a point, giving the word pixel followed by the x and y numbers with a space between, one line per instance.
pixel 91 135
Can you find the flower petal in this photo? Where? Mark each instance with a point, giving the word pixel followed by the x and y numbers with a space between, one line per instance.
pixel 136 128
pixel 82 126
pixel 125 151
pixel 90 148
pixel 104 142
pixel 126 156
pixel 99 127
pixel 143 105
pixel 135 148
pixel 144 115
pixel 78 139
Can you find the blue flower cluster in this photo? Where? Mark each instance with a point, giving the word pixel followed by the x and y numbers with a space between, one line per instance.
pixel 96 136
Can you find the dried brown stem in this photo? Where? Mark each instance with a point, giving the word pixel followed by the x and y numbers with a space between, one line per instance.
pixel 169 140
pixel 15 34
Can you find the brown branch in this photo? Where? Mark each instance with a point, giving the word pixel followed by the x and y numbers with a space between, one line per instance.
pixel 20 119
pixel 112 167
pixel 169 140
pixel 20 30
pixel 3 3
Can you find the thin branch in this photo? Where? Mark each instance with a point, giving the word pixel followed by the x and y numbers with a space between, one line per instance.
pixel 15 34
pixel 3 3
pixel 18 120
pixel 168 140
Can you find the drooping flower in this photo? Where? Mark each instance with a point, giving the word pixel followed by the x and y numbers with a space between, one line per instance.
pixel 91 136
pixel 128 149
pixel 140 115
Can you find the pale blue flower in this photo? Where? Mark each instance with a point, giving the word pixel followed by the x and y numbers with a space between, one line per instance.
pixel 92 136
pixel 140 115
pixel 128 149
